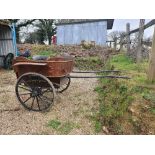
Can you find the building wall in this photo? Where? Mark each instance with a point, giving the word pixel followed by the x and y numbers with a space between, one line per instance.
pixel 6 43
pixel 75 33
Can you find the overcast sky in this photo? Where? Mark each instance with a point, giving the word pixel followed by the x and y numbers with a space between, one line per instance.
pixel 120 25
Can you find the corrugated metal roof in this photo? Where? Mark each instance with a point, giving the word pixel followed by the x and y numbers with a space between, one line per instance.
pixel 79 21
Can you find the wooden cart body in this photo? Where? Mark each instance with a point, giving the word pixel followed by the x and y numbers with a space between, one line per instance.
pixel 55 69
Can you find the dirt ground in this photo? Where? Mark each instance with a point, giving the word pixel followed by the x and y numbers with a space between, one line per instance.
pixel 75 105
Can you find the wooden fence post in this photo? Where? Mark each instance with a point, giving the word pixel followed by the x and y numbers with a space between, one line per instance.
pixel 151 71
pixel 140 39
pixel 121 41
pixel 128 38
pixel 110 44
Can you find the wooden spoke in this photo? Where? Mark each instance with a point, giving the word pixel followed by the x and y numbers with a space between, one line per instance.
pixel 47 90
pixel 38 87
pixel 48 103
pixel 20 86
pixel 32 103
pixel 25 93
pixel 27 99
pixel 38 103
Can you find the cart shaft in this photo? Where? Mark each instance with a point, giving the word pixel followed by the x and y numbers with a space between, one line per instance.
pixel 106 76
pixel 102 71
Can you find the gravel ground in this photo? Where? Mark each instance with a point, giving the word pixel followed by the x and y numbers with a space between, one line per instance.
pixel 75 105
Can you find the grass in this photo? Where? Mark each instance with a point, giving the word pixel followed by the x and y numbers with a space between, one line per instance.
pixel 115 99
pixel 89 63
pixel 98 126
pixel 62 127
pixel 45 50
pixel 116 96
pixel 46 53
pixel 152 110
pixel 122 62
pixel 129 67
pixel 66 128
pixel 54 124
pixel 38 48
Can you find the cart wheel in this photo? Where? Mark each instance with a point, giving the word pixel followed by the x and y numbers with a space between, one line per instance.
pixel 64 86
pixel 8 61
pixel 35 91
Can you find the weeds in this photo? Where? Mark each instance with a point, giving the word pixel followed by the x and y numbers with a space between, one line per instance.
pixel 98 126
pixel 89 63
pixel 149 96
pixel 47 53
pixel 117 95
pixel 54 124
pixel 66 128
pixel 62 127
pixel 152 110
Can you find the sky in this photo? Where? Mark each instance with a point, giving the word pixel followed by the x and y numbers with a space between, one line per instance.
pixel 120 25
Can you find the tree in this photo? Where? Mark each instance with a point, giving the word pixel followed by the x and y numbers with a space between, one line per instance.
pixel 46 28
pixel 118 38
pixel 151 70
pixel 147 41
pixel 114 37
pixel 19 23
pixel 35 37
pixel 122 40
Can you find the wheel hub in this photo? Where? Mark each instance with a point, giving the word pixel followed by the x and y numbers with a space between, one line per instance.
pixel 36 92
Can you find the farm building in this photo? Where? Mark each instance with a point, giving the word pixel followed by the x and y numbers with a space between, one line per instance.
pixel 7 44
pixel 70 32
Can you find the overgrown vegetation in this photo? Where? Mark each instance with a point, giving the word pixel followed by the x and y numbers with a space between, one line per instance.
pixel 89 63
pixel 43 50
pixel 126 106
pixel 47 53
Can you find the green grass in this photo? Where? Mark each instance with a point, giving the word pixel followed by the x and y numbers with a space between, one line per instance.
pixel 149 96
pixel 46 53
pixel 136 71
pixel 66 128
pixel 115 98
pixel 98 126
pixel 54 124
pixel 123 62
pixel 152 110
pixel 117 95
pixel 62 127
